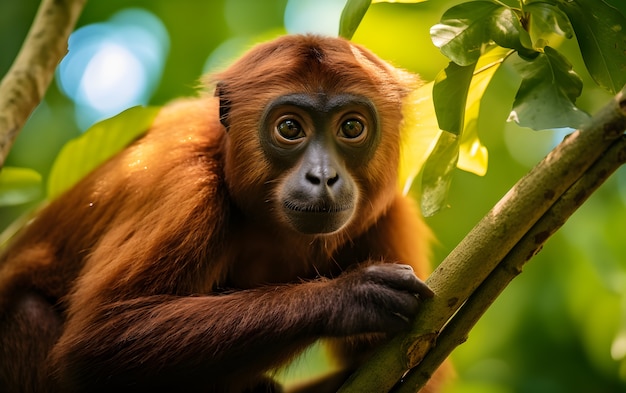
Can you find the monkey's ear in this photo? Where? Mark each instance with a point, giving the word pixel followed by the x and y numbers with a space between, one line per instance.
pixel 220 92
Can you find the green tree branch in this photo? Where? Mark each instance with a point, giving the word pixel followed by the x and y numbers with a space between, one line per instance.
pixel 506 230
pixel 24 85
pixel 456 330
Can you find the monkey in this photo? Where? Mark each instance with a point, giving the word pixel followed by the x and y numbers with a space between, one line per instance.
pixel 246 224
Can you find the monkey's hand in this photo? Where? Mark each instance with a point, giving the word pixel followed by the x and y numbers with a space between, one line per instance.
pixel 379 298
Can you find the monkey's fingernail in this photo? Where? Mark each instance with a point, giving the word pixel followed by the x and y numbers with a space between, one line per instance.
pixel 403 317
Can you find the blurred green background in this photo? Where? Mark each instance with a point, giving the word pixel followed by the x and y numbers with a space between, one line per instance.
pixel 559 327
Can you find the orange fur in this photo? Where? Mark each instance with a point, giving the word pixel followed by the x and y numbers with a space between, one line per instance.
pixel 167 266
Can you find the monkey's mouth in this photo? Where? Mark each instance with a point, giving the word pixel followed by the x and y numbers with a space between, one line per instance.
pixel 316 208
pixel 317 218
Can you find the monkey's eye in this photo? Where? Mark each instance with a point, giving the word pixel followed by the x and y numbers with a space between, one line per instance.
pixel 351 129
pixel 290 130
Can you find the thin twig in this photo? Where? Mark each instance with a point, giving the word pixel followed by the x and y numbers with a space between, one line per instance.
pixel 24 85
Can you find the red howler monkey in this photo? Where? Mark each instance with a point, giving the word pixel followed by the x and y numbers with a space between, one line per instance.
pixel 240 229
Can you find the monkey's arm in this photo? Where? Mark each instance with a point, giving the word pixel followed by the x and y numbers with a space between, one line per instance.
pixel 160 339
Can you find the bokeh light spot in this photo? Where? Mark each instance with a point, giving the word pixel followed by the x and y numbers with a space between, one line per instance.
pixel 114 77
pixel 114 65
pixel 313 16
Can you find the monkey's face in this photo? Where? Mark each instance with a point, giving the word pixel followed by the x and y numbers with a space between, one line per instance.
pixel 312 134
pixel 317 141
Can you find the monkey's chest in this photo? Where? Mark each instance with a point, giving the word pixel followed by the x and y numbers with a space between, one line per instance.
pixel 256 262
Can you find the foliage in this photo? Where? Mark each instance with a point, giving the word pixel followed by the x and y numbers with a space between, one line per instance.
pixel 355 10
pixel 19 185
pixel 77 158
pixel 546 98
pixel 549 89
pixel 81 155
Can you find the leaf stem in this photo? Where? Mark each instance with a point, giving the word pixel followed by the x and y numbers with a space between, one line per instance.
pixel 501 3
pixel 501 60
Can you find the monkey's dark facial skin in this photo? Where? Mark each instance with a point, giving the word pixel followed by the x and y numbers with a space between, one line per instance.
pixel 318 139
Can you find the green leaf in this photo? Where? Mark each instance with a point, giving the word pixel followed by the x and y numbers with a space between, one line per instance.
pixel 438 172
pixel 472 153
pixel 19 185
pixel 547 20
pixel 463 30
pixel 354 11
pixel 419 134
pixel 83 154
pixel 601 34
pixel 450 95
pixel 506 30
pixel 351 17
pixel 466 30
pixel 547 95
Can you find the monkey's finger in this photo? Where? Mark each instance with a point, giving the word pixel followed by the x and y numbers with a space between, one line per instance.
pixel 423 290
pixel 414 283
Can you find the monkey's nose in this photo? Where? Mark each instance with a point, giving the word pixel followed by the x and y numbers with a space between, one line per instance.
pixel 328 177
